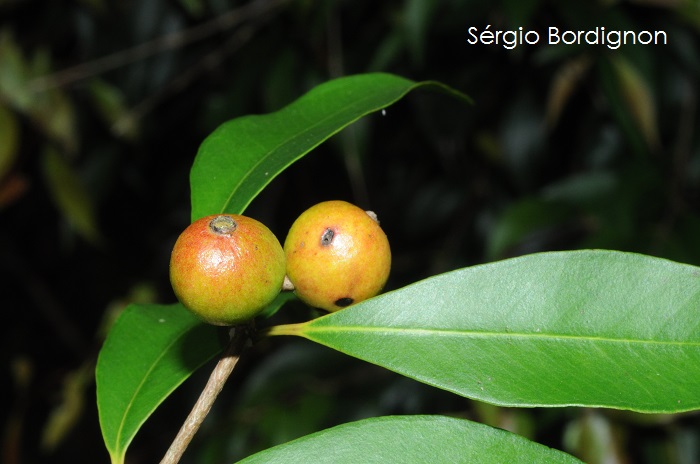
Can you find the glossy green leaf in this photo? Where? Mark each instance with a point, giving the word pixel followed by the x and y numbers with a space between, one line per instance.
pixel 243 155
pixel 150 350
pixel 433 439
pixel 583 328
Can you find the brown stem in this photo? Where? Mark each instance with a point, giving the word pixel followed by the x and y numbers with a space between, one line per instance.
pixel 217 379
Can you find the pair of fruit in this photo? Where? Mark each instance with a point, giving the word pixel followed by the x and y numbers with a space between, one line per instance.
pixel 227 268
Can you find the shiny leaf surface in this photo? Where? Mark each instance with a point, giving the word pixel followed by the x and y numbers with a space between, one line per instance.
pixel 584 328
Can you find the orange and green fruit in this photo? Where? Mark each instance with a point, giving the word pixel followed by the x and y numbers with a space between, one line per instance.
pixel 337 255
pixel 226 268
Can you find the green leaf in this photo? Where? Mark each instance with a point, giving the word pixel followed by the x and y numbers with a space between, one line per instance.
pixel 49 108
pixel 279 301
pixel 243 155
pixel 14 73
pixel 583 328
pixel 638 98
pixel 69 194
pixel 110 104
pixel 434 439
pixel 149 352
pixel 612 85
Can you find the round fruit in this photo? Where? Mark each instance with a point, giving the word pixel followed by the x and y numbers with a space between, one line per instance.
pixel 226 268
pixel 337 255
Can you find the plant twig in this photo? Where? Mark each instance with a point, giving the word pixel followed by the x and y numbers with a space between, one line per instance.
pixel 161 44
pixel 209 62
pixel 217 379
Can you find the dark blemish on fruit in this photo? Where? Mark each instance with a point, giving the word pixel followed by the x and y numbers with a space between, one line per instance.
pixel 343 302
pixel 327 237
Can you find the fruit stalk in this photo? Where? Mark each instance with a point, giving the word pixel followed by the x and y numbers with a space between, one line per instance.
pixel 217 379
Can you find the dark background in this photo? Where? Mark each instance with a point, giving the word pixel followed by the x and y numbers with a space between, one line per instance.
pixel 574 146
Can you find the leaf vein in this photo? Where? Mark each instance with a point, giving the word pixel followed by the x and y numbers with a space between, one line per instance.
pixel 398 331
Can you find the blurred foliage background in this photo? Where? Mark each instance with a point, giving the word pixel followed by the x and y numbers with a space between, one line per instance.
pixel 103 106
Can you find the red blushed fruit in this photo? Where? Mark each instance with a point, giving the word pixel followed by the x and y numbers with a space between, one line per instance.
pixel 226 268
pixel 337 255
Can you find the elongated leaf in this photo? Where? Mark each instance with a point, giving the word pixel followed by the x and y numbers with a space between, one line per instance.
pixel 587 328
pixel 110 103
pixel 433 439
pixel 149 352
pixel 69 194
pixel 564 85
pixel 620 108
pixel 639 99
pixel 243 155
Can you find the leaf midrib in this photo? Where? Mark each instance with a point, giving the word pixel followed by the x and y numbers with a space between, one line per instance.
pixel 491 334
pixel 140 386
